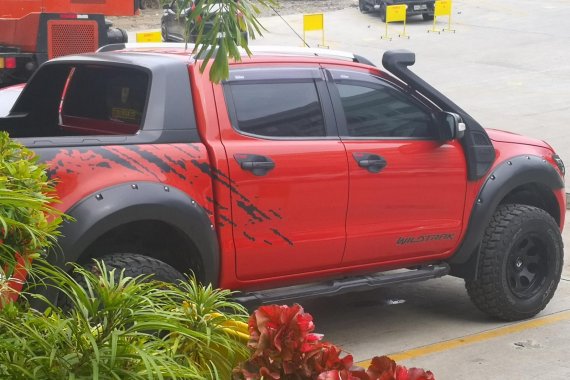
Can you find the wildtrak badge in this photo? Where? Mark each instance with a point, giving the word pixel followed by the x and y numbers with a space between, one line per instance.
pixel 423 238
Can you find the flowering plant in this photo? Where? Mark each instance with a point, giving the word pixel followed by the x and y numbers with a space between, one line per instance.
pixel 284 346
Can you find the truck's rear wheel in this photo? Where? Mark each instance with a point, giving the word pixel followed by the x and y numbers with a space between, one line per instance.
pixel 133 265
pixel 136 265
pixel 520 263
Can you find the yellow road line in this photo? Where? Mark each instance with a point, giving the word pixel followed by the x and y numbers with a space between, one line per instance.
pixel 475 338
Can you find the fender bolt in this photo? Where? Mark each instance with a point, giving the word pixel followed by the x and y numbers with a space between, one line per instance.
pixel 509 163
pixel 493 177
pixel 99 197
pixel 134 186
pixel 166 189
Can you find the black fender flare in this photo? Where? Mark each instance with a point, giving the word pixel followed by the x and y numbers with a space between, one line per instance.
pixel 117 205
pixel 507 176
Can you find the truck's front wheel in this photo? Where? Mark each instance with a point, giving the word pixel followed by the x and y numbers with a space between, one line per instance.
pixel 520 263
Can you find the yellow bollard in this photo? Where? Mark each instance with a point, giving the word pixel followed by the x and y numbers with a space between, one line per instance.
pixel 395 13
pixel 314 22
pixel 149 37
pixel 442 8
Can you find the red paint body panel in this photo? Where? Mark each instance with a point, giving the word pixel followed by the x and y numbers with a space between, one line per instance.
pixel 20 8
pixel 515 138
pixel 291 220
pixel 420 192
pixel 204 104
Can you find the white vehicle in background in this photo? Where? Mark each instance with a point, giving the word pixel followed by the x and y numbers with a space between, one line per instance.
pixel 8 96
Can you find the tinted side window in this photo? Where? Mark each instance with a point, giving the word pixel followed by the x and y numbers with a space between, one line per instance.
pixel 381 111
pixel 106 94
pixel 289 109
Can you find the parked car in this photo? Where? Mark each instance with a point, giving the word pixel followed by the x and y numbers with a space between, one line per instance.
pixel 425 8
pixel 8 96
pixel 305 167
pixel 174 24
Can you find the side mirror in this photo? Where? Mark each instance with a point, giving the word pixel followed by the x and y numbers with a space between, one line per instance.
pixel 454 127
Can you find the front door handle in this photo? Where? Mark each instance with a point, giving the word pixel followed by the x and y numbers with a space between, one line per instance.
pixel 258 165
pixel 371 162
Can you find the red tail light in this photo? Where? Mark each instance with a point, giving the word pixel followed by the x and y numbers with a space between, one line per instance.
pixel 10 63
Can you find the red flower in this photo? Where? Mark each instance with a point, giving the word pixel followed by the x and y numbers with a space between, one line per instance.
pixel 384 368
pixel 280 331
pixel 284 347
pixel 343 375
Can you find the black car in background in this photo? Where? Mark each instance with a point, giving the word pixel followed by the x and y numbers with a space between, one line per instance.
pixel 415 7
pixel 174 23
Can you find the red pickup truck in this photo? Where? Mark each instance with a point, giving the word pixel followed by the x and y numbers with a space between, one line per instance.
pixel 307 172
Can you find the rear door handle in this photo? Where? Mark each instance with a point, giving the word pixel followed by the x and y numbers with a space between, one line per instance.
pixel 369 161
pixel 258 165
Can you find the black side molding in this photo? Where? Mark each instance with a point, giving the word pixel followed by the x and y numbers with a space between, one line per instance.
pixel 505 178
pixel 479 149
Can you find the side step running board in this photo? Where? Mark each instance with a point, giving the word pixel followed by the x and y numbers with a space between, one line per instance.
pixel 343 285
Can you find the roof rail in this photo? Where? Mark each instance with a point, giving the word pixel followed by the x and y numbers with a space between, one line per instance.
pixel 255 49
pixel 149 45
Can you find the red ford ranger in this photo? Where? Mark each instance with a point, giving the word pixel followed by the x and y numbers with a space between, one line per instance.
pixel 305 167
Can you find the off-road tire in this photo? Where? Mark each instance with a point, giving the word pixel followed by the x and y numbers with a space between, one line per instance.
pixel 427 17
pixel 164 33
pixel 383 13
pixel 362 7
pixel 134 265
pixel 520 263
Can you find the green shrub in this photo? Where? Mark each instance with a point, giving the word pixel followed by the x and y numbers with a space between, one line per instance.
pixel 28 224
pixel 123 328
pixel 119 327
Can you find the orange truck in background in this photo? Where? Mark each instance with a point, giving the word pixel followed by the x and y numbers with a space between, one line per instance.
pixel 20 8
pixel 34 31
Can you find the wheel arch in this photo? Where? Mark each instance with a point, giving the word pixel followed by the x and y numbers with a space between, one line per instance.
pixel 126 208
pixel 527 179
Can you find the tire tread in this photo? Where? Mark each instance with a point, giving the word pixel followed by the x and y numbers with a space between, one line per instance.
pixel 485 292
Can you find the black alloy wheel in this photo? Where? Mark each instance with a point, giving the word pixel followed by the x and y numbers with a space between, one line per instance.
pixel 527 266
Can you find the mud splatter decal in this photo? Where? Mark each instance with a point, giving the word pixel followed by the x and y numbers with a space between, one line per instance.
pixel 82 171
pixel 276 232
pixel 276 214
pixel 163 165
pixel 253 211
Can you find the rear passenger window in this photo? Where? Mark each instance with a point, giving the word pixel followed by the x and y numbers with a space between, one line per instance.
pixel 290 109
pixel 82 99
pixel 104 100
